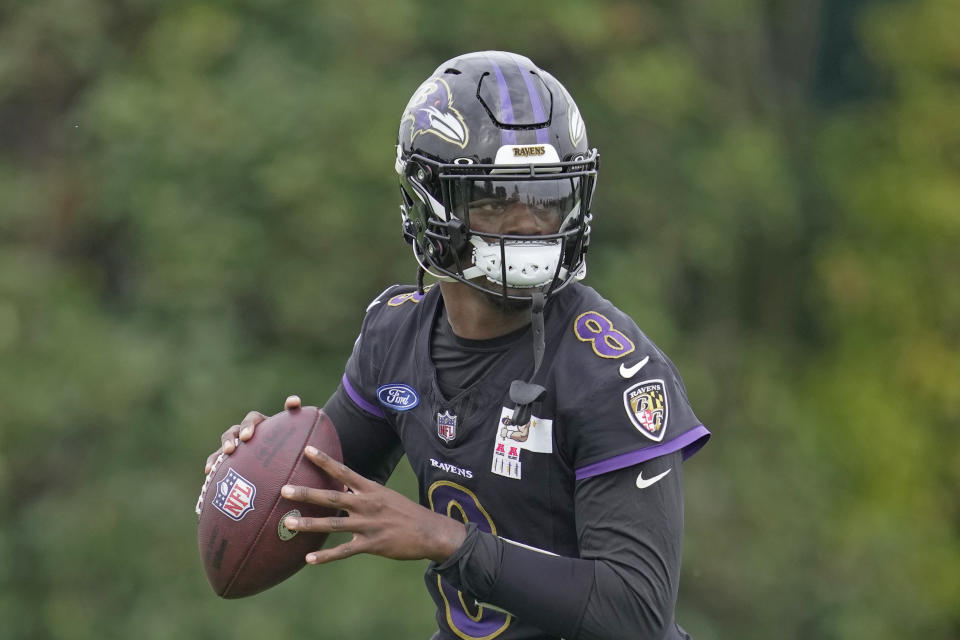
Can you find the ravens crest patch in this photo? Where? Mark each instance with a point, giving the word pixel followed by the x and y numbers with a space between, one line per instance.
pixel 646 405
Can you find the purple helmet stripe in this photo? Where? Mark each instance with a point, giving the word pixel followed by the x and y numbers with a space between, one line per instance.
pixel 359 400
pixel 690 442
pixel 507 136
pixel 538 114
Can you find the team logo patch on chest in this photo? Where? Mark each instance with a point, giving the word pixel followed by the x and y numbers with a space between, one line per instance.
pixel 535 436
pixel 646 405
pixel 446 426
pixel 235 496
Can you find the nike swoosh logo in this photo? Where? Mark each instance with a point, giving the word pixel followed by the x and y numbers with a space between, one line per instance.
pixel 629 372
pixel 643 484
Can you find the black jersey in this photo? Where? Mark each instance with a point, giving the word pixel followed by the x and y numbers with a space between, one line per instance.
pixel 613 400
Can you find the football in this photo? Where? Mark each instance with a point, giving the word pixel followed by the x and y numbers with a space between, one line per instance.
pixel 244 546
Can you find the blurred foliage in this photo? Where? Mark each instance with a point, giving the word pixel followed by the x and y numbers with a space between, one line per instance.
pixel 197 202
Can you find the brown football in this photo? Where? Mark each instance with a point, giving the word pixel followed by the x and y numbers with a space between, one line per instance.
pixel 244 546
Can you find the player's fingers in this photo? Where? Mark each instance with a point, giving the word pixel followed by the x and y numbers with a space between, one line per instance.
pixel 322 497
pixel 228 441
pixel 249 423
pixel 211 459
pixel 322 525
pixel 292 402
pixel 252 417
pixel 338 470
pixel 339 552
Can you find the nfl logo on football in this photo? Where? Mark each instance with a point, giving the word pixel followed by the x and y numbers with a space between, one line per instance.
pixel 235 496
pixel 446 426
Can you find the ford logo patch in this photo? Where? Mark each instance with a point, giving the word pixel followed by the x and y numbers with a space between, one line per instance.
pixel 398 397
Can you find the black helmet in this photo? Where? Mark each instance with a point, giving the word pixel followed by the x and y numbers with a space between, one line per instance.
pixel 492 127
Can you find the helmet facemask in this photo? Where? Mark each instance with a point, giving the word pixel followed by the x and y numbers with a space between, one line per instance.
pixel 439 200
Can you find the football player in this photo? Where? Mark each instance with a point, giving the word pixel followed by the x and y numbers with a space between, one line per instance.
pixel 547 432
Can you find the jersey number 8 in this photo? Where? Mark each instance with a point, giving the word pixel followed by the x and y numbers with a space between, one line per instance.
pixel 470 622
pixel 606 341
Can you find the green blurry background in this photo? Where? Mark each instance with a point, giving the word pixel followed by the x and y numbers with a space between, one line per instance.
pixel 197 201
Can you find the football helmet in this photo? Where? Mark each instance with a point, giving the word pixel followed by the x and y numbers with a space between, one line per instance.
pixel 485 131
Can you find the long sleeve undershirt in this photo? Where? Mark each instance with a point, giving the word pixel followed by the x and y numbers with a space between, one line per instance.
pixel 624 585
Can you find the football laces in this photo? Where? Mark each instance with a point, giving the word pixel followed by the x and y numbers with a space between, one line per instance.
pixel 206 481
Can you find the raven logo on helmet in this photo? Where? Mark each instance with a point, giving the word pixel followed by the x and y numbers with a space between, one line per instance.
pixel 430 110
pixel 577 128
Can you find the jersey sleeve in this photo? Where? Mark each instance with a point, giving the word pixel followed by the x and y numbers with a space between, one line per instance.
pixel 369 443
pixel 620 399
pixel 377 334
pixel 360 375
pixel 623 585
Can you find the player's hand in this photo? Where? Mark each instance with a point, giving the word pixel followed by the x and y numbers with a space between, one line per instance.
pixel 383 522
pixel 244 431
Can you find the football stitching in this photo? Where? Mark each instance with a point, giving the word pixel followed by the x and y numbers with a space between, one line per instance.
pixel 206 481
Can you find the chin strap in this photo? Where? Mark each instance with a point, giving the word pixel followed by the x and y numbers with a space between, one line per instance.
pixel 524 394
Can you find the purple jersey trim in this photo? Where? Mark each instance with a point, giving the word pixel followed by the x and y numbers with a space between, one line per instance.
pixel 507 136
pixel 690 442
pixel 359 401
pixel 538 114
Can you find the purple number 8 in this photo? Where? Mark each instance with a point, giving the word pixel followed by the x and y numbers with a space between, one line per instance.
pixel 398 300
pixel 485 623
pixel 606 341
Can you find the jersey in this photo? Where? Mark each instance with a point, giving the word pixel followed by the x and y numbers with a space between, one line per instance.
pixel 613 400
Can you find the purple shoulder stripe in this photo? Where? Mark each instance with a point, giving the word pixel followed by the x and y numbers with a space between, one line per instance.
pixel 358 400
pixel 690 442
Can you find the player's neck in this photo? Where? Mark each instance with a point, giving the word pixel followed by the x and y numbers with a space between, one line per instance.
pixel 475 316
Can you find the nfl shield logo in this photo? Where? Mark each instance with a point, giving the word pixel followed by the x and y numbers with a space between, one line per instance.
pixel 446 426
pixel 235 496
